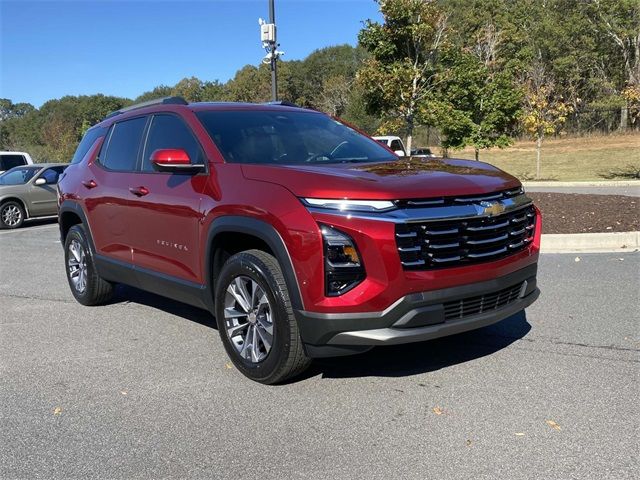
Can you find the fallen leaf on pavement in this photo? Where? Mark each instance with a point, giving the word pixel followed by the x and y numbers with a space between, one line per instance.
pixel 468 443
pixel 519 434
pixel 228 365
pixel 438 410
pixel 57 411
pixel 553 425
pixel 123 392
pixel 577 259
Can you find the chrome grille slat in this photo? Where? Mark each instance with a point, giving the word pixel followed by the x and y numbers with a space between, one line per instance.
pixel 448 243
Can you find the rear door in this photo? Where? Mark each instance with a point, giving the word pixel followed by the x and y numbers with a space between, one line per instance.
pixel 165 220
pixel 105 189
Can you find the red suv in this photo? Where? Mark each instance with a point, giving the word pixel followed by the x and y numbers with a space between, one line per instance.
pixel 304 237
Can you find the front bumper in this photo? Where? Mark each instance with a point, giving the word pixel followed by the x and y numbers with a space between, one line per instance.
pixel 419 316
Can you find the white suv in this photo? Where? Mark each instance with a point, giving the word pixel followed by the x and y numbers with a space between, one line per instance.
pixel 8 160
pixel 394 143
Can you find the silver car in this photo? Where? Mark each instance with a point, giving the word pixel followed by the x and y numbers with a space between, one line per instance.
pixel 27 192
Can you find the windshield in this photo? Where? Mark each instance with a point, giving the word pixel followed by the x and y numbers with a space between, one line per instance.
pixel 288 137
pixel 18 175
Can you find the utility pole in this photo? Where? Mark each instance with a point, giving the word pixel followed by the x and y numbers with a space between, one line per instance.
pixel 270 44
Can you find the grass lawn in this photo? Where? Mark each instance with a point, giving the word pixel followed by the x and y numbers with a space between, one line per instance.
pixel 566 159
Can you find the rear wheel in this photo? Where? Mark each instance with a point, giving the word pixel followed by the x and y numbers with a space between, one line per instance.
pixel 86 285
pixel 11 215
pixel 255 318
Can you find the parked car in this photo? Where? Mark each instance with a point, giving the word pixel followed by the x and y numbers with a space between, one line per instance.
pixel 422 152
pixel 8 160
pixel 302 236
pixel 394 143
pixel 28 192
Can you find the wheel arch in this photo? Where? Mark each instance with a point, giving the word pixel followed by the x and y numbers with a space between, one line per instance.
pixel 13 198
pixel 70 214
pixel 248 233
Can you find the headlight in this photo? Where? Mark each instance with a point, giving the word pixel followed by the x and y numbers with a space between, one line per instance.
pixel 350 205
pixel 343 267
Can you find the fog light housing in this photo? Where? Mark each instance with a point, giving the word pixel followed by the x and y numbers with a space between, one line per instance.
pixel 343 266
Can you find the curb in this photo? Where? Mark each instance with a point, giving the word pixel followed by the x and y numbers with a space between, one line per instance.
pixel 590 242
pixel 595 183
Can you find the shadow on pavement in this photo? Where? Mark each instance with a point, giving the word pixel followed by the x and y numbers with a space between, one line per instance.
pixel 393 361
pixel 423 357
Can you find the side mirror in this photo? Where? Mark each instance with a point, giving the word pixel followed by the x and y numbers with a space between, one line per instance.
pixel 400 153
pixel 40 181
pixel 174 160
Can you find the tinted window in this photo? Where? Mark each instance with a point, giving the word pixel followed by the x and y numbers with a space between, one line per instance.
pixel 169 131
pixel 10 161
pixel 288 137
pixel 123 146
pixel 86 143
pixel 52 174
pixel 396 145
pixel 18 175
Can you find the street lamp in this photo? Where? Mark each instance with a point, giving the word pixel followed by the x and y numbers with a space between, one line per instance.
pixel 270 44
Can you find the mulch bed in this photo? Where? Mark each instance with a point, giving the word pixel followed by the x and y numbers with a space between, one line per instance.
pixel 581 213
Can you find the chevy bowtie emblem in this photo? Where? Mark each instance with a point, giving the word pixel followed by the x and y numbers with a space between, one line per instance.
pixel 492 208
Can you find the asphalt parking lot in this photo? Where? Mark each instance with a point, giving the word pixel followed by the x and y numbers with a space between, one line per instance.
pixel 142 388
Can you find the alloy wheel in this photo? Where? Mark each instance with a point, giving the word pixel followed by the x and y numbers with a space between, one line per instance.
pixel 248 321
pixel 11 215
pixel 77 265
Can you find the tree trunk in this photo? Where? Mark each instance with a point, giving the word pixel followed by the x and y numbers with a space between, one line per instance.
pixel 477 151
pixel 538 148
pixel 407 145
pixel 624 117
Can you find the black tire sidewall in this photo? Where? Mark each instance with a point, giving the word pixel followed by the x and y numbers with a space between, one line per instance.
pixel 250 266
pixel 22 215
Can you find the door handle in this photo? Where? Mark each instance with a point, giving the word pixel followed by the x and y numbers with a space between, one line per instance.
pixel 139 191
pixel 89 184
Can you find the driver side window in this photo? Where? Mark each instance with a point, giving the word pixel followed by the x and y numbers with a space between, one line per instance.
pixel 51 175
pixel 169 131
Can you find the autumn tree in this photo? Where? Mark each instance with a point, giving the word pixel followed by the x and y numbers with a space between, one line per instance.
pixel 401 75
pixel 545 111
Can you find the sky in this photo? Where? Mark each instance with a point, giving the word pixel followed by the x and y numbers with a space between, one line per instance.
pixel 49 49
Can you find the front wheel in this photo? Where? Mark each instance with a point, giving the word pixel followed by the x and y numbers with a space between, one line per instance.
pixel 255 318
pixel 11 215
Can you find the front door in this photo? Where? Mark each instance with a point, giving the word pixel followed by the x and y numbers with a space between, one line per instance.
pixel 166 214
pixel 43 199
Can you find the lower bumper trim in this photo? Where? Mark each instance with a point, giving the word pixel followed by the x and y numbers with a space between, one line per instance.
pixel 395 336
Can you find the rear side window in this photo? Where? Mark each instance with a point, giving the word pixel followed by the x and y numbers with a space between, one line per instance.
pixel 87 142
pixel 123 145
pixel 169 131
pixel 396 145
pixel 7 162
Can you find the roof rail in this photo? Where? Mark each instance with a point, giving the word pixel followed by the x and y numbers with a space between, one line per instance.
pixel 148 103
pixel 283 103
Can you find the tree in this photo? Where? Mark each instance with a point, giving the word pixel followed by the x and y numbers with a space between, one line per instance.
pixel 619 20
pixel 482 103
pixel 334 95
pixel 545 111
pixel 8 109
pixel 400 77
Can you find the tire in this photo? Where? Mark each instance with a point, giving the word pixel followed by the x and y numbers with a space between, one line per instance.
pixel 271 309
pixel 12 215
pixel 86 285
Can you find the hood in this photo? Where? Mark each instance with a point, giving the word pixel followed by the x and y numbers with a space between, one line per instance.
pixel 401 179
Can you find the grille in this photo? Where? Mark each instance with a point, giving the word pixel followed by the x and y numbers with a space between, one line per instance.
pixel 462 200
pixel 451 243
pixel 482 303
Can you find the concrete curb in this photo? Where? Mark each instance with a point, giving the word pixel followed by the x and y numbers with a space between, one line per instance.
pixel 595 183
pixel 590 242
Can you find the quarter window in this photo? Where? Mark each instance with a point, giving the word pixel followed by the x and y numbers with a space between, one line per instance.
pixel 124 143
pixel 169 131
pixel 86 143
